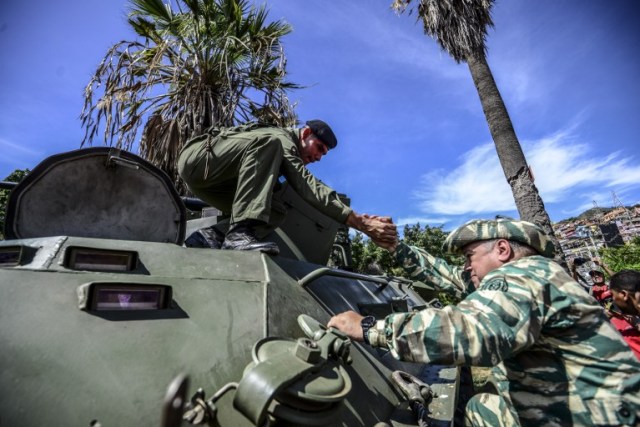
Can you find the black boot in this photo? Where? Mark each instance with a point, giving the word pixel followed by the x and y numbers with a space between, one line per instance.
pixel 209 237
pixel 241 237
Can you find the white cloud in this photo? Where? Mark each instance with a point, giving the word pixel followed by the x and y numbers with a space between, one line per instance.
pixel 423 220
pixel 384 37
pixel 561 165
pixel 567 171
pixel 12 147
pixel 476 186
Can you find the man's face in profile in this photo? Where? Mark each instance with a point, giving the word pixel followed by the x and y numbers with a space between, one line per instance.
pixel 312 149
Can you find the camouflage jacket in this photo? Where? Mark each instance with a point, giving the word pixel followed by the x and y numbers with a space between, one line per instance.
pixel 563 361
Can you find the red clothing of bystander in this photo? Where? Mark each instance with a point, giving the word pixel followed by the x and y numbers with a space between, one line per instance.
pixel 629 328
pixel 601 293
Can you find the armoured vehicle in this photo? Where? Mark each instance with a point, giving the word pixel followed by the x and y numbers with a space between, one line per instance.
pixel 107 319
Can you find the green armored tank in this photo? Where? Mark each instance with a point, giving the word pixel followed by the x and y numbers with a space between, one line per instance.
pixel 107 319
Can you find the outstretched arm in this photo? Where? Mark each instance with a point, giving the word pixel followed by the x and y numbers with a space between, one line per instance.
pixel 484 322
pixel 605 267
pixel 380 229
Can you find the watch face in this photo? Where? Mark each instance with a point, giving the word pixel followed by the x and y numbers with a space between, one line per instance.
pixel 368 322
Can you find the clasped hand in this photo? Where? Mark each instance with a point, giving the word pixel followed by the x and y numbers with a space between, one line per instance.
pixel 381 229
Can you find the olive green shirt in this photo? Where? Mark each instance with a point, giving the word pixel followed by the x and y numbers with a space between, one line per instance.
pixel 310 188
pixel 237 169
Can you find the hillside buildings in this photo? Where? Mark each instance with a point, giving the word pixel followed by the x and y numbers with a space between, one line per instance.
pixel 582 237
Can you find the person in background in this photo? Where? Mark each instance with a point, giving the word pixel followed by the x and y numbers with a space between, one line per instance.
pixel 574 264
pixel 598 262
pixel 600 290
pixel 624 313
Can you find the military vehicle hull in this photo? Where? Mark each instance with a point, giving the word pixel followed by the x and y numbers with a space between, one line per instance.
pixel 103 331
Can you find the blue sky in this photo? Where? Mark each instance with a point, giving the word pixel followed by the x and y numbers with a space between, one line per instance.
pixel 413 141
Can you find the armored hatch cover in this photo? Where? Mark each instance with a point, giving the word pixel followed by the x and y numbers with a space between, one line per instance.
pixel 97 192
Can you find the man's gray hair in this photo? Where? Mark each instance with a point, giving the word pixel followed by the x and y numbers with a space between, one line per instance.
pixel 519 249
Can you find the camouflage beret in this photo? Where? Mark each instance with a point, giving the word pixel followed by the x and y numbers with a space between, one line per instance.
pixel 500 228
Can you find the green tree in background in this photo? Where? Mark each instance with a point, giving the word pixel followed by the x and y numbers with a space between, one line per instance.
pixel 460 28
pixel 367 257
pixel 15 176
pixel 625 257
pixel 196 64
pixel 431 239
pixel 370 259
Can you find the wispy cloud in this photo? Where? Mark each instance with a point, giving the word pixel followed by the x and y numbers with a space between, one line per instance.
pixel 566 169
pixel 383 37
pixel 424 220
pixel 17 156
pixel 561 164
pixel 10 148
pixel 476 186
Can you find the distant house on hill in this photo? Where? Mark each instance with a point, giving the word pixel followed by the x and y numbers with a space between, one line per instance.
pixel 597 228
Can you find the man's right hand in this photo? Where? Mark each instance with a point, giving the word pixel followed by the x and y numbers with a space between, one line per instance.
pixel 389 245
pixel 379 229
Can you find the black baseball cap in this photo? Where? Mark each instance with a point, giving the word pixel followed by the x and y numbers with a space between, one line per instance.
pixel 324 133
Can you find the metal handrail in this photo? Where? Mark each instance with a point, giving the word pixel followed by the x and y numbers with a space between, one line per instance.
pixel 326 271
pixel 7 185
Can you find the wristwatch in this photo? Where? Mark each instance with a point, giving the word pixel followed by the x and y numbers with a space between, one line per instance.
pixel 367 323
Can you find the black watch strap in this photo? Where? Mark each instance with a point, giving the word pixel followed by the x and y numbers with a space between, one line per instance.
pixel 367 323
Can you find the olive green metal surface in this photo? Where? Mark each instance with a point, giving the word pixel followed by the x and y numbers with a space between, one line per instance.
pixel 63 362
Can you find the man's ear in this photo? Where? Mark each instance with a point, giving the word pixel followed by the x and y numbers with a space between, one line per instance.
pixel 306 131
pixel 635 300
pixel 503 248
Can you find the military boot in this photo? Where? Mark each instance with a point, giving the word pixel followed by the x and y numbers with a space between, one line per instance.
pixel 241 237
pixel 209 237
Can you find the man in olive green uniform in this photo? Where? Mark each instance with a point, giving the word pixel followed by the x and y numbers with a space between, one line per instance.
pixel 236 170
pixel 556 358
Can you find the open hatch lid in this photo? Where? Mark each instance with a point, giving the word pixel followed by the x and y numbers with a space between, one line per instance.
pixel 99 192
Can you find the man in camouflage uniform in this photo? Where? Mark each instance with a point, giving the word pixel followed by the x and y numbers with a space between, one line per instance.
pixel 556 358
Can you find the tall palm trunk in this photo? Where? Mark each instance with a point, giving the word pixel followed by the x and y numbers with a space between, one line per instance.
pixel 460 28
pixel 528 201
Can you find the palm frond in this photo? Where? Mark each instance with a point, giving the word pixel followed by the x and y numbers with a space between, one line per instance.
pixel 459 26
pixel 198 64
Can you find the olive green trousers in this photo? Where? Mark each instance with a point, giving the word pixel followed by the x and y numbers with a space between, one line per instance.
pixel 237 174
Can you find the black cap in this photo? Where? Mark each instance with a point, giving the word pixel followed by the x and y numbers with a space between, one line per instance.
pixel 323 132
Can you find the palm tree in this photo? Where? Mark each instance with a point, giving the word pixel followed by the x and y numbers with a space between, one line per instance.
pixel 460 28
pixel 198 64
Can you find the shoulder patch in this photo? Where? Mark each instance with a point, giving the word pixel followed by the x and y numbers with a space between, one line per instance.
pixel 495 284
